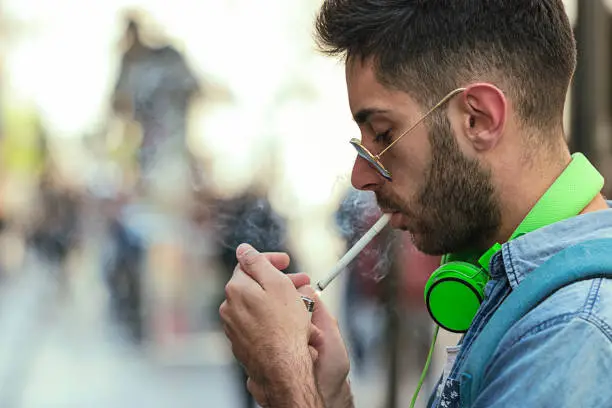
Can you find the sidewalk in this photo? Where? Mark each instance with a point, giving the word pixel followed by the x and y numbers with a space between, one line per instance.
pixel 68 355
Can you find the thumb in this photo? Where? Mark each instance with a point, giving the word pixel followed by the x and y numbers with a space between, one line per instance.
pixel 257 392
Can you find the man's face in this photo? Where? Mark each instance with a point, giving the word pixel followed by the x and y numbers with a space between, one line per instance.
pixel 445 199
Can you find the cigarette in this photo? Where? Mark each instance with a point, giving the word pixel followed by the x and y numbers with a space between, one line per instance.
pixel 353 252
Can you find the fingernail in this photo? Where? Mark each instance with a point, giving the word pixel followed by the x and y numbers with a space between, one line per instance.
pixel 243 249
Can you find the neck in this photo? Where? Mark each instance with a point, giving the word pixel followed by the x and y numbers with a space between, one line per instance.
pixel 523 187
pixel 598 204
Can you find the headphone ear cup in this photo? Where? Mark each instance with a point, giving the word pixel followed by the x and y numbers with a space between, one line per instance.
pixel 454 293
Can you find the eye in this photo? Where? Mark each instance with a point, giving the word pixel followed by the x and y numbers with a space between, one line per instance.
pixel 383 137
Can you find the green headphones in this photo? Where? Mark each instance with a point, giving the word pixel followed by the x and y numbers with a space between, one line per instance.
pixel 455 290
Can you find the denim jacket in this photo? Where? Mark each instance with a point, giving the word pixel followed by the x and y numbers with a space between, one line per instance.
pixel 560 353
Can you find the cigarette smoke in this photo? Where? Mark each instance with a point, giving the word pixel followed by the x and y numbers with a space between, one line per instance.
pixel 356 214
pixel 250 218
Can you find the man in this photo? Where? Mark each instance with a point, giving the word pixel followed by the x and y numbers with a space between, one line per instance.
pixel 248 217
pixel 155 87
pixel 496 73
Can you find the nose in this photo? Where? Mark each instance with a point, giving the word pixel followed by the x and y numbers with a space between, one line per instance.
pixel 364 176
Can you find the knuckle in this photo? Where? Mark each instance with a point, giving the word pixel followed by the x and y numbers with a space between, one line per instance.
pixel 224 311
pixel 250 385
pixel 257 392
pixel 314 354
pixel 286 281
pixel 230 289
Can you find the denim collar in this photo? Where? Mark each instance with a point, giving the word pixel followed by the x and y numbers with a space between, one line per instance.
pixel 522 255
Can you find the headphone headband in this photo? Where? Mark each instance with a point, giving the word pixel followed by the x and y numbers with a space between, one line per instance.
pixel 571 192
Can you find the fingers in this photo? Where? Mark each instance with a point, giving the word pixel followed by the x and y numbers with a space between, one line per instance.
pixel 308 291
pixel 314 354
pixel 258 267
pixel 279 260
pixel 241 286
pixel 223 311
pixel 315 338
pixel 299 279
pixel 257 392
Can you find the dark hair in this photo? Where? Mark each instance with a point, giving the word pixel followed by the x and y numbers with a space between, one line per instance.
pixel 430 47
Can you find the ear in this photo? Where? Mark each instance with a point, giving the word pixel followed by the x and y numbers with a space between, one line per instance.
pixel 485 115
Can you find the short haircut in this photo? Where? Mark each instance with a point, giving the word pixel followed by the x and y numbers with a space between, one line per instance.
pixel 429 47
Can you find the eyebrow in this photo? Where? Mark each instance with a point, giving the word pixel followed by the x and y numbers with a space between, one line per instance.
pixel 364 115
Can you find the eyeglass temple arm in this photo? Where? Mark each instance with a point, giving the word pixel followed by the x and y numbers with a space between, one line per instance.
pixel 418 122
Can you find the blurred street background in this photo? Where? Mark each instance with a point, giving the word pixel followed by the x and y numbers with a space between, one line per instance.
pixel 142 141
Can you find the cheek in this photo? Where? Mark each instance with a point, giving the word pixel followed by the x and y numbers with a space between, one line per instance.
pixel 409 167
pixel 412 152
pixel 405 187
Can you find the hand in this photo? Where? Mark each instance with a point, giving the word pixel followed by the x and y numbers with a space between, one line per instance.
pixel 328 352
pixel 266 321
pixel 332 363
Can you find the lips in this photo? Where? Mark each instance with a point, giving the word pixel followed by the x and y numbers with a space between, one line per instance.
pixel 389 210
pixel 396 220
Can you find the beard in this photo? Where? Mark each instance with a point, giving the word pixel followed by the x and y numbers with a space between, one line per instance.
pixel 455 208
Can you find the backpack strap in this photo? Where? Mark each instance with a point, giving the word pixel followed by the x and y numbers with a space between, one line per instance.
pixel 587 260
